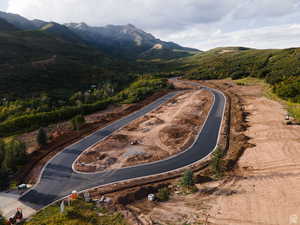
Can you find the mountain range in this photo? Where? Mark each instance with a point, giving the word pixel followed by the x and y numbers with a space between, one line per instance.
pixel 47 57
pixel 124 41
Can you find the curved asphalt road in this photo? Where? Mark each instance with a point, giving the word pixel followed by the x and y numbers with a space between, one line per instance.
pixel 58 179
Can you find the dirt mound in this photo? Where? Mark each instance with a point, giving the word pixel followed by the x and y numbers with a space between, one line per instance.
pixel 174 134
pixel 139 157
pixel 89 157
pixel 115 141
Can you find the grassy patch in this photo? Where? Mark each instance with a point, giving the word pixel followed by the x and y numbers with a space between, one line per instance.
pixel 2 220
pixel 79 213
pixel 292 108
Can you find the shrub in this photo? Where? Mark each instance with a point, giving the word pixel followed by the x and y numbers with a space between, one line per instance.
pixel 42 137
pixel 237 75
pixel 216 162
pixel 77 122
pixel 187 179
pixel 2 221
pixel 163 194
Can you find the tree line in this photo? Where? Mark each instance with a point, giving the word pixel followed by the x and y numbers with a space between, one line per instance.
pixel 12 157
pixel 137 91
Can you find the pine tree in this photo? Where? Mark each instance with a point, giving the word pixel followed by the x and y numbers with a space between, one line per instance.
pixel 42 137
pixel 216 162
pixel 187 179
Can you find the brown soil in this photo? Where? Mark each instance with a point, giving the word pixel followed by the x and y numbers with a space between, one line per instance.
pixel 267 178
pixel 263 187
pixel 157 135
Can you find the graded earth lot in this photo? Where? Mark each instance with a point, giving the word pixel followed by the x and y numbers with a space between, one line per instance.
pixel 268 179
pixel 157 135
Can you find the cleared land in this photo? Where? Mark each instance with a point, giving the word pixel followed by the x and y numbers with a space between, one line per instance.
pixel 157 135
pixel 267 181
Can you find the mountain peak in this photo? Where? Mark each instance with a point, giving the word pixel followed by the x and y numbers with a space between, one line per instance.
pixel 126 41
pixel 131 26
pixel 77 26
pixel 82 25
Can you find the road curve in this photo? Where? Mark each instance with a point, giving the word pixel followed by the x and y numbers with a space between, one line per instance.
pixel 58 179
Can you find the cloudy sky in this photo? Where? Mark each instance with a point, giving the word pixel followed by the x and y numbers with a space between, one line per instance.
pixel 203 24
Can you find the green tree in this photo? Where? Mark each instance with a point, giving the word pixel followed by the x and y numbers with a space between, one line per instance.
pixel 163 194
pixel 77 122
pixel 187 179
pixel 15 155
pixel 42 137
pixel 216 162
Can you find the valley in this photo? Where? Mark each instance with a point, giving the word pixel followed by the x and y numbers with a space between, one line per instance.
pixel 142 130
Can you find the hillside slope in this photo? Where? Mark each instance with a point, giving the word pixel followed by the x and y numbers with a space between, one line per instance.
pixel 5 26
pixel 52 28
pixel 280 68
pixel 61 31
pixel 18 21
pixel 32 62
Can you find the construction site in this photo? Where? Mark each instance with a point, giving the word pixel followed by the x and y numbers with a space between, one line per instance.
pixel 159 134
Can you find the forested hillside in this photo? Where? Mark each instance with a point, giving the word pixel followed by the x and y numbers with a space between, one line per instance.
pixel 280 68
pixel 32 62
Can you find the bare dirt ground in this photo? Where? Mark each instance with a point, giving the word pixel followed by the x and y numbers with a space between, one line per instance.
pixel 157 135
pixel 268 178
pixel 263 188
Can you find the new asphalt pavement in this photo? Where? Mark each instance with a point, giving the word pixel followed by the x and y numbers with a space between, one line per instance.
pixel 58 178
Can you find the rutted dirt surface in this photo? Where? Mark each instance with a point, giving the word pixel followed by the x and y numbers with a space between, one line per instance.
pixel 157 135
pixel 263 189
pixel 268 179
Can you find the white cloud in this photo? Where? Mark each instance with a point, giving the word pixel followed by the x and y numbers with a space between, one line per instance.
pixel 196 23
pixel 146 13
pixel 3 5
pixel 284 36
